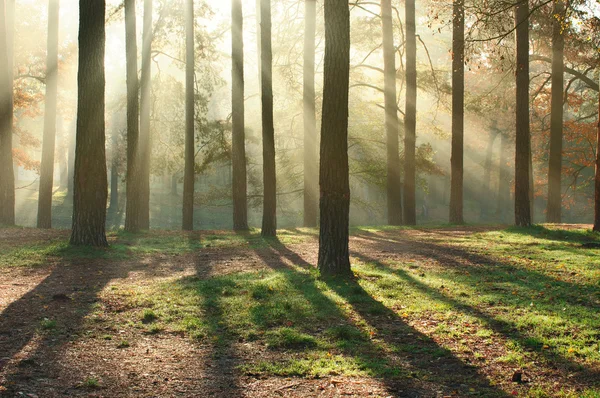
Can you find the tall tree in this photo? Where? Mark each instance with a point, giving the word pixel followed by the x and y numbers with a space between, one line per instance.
pixel 189 174
pixel 269 222
pixel 503 197
pixel 7 177
pixel 133 207
pixel 458 113
pixel 334 173
pixel 90 185
pixel 523 141
pixel 410 119
pixel 44 216
pixel 146 103
pixel 238 141
pixel 597 180
pixel 114 167
pixel 394 191
pixel 554 209
pixel 310 119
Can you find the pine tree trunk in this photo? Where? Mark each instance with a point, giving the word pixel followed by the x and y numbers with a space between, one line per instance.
pixel 189 174
pixel 7 176
pixel 133 180
pixel 114 170
pixel 458 113
pixel 554 209
pixel 90 185
pixel 394 192
pixel 523 143
pixel 239 184
pixel 334 175
pixel 269 222
pixel 62 154
pixel 597 180
pixel 44 217
pixel 503 197
pixel 484 196
pixel 410 118
pixel 311 161
pixel 146 103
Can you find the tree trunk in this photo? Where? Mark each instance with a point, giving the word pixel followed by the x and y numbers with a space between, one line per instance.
pixel 503 197
pixel 334 175
pixel 146 100
pixel 90 186
pixel 174 181
pixel 7 177
pixel 269 222
pixel 458 113
pixel 114 169
pixel 44 217
pixel 484 197
pixel 410 119
pixel 311 161
pixel 71 158
pixel 597 182
pixel 133 180
pixel 523 143
pixel 62 154
pixel 394 192
pixel 239 185
pixel 554 209
pixel 189 174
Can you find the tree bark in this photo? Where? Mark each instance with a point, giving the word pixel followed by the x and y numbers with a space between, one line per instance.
pixel 410 118
pixel 597 180
pixel 554 208
pixel 133 180
pixel 114 168
pixel 145 100
pixel 269 222
pixel 310 121
pixel 90 186
pixel 7 176
pixel 189 174
pixel 523 143
pixel 334 173
pixel 458 113
pixel 44 217
pixel 239 184
pixel 394 191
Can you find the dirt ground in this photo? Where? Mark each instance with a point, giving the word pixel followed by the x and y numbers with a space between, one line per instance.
pixel 173 365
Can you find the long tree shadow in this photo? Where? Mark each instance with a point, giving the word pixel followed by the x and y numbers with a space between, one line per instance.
pixel 483 269
pixel 414 364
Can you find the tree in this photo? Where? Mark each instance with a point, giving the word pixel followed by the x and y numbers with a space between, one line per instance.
pixel 7 177
pixel 114 167
pixel 133 180
pixel 410 118
pixel 597 179
pixel 44 217
pixel 523 143
pixel 269 222
pixel 458 114
pixel 553 211
pixel 394 192
pixel 189 177
pixel 310 121
pixel 334 173
pixel 238 134
pixel 90 185
pixel 146 104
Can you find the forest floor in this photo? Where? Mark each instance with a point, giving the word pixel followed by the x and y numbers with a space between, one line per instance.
pixel 431 312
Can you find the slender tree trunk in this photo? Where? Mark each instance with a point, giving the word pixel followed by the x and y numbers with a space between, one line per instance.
pixel 146 102
pixel 334 175
pixel 269 222
pixel 189 173
pixel 554 209
pixel 71 158
pixel 503 197
pixel 311 161
pixel 239 184
pixel 458 113
pixel 394 192
pixel 523 143
pixel 44 217
pixel 133 180
pixel 7 177
pixel 90 186
pixel 410 119
pixel 597 181
pixel 487 174
pixel 62 154
pixel 114 170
